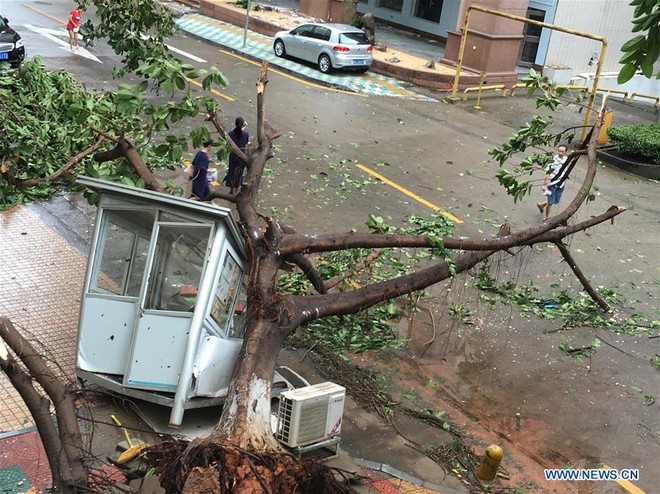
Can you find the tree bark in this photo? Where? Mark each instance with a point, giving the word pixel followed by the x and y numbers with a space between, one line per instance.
pixel 583 279
pixel 245 420
pixel 39 407
pixel 60 395
pixel 125 149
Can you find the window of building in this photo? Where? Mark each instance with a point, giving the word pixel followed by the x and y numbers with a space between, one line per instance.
pixel 428 10
pixel 396 5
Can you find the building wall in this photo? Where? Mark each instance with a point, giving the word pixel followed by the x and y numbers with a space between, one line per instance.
pixel 406 15
pixel 608 18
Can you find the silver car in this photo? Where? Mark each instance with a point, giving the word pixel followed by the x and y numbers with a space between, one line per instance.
pixel 330 46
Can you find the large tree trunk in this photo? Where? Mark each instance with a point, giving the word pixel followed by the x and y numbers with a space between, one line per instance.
pixel 245 420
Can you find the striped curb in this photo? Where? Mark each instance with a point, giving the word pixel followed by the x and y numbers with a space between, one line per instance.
pixel 259 47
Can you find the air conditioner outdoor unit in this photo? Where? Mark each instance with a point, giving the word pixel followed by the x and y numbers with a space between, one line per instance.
pixel 310 414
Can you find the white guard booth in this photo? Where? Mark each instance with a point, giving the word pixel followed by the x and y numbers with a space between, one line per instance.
pixel 162 312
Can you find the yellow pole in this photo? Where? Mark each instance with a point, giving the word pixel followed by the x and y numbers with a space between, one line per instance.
pixel 482 77
pixel 461 51
pixel 485 10
pixel 490 463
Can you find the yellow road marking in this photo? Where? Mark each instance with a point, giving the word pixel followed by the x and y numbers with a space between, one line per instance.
pixel 44 13
pixel 626 484
pixel 446 214
pixel 217 93
pixel 297 79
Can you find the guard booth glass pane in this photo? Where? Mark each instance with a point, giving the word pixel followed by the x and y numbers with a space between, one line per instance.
pixel 224 299
pixel 123 258
pixel 177 268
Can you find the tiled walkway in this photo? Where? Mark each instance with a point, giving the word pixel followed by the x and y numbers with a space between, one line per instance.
pixel 260 47
pixel 41 277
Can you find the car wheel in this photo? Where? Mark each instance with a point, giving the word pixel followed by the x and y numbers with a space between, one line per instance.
pixel 325 65
pixel 278 48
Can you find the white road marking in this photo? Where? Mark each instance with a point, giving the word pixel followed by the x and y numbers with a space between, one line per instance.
pixel 186 54
pixel 180 52
pixel 55 34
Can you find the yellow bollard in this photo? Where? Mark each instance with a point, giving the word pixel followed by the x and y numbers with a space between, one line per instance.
pixel 490 463
pixel 602 135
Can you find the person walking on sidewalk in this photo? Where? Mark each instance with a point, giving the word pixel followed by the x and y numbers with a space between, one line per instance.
pixel 73 26
pixel 234 177
pixel 200 165
pixel 552 188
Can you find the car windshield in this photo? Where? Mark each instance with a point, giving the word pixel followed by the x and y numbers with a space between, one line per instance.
pixel 3 23
pixel 355 38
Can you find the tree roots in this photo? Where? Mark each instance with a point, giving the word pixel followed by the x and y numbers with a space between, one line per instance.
pixel 219 469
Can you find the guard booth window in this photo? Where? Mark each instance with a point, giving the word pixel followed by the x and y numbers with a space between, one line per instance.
pixel 125 248
pixel 228 309
pixel 177 267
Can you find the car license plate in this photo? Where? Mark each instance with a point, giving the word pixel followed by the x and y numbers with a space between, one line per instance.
pixel 358 62
pixel 4 56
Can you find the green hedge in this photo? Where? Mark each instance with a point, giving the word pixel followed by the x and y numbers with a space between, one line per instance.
pixel 640 141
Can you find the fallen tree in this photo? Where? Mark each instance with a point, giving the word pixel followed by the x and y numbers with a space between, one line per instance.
pixel 242 454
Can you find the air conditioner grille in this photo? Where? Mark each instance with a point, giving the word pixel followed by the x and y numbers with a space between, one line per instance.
pixel 284 415
pixel 313 416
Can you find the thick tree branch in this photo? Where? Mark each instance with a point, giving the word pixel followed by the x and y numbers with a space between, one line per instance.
pixel 331 243
pixel 39 407
pixel 309 270
pixel 60 395
pixel 213 118
pixel 315 306
pixel 218 194
pixel 125 149
pixel 580 276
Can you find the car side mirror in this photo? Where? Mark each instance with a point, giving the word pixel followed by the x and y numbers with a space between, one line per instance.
pixel 6 20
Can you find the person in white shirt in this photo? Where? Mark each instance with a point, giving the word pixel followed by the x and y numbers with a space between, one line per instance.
pixel 552 188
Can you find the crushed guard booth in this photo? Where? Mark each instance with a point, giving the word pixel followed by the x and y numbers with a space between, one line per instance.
pixel 162 314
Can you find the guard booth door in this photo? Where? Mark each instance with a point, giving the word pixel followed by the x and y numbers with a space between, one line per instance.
pixel 175 266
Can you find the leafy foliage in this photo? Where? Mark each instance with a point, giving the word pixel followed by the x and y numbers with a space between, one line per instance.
pixel 47 118
pixel 559 305
pixel 642 51
pixel 641 140
pixel 370 329
pixel 534 135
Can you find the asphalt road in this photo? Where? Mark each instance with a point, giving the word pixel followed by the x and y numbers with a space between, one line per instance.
pixel 438 153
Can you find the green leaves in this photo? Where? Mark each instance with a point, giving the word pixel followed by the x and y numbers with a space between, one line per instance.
pixel 642 51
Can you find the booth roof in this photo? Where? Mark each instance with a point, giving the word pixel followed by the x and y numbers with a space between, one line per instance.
pixel 144 195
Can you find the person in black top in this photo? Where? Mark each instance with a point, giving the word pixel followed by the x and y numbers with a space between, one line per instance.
pixel 234 177
pixel 200 163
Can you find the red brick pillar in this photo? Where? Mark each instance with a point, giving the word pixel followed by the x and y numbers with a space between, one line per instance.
pixel 492 43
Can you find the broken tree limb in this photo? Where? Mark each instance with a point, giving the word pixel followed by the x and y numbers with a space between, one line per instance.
pixel 566 254
pixel 60 395
pixel 6 174
pixel 39 407
pixel 125 149
pixel 309 270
